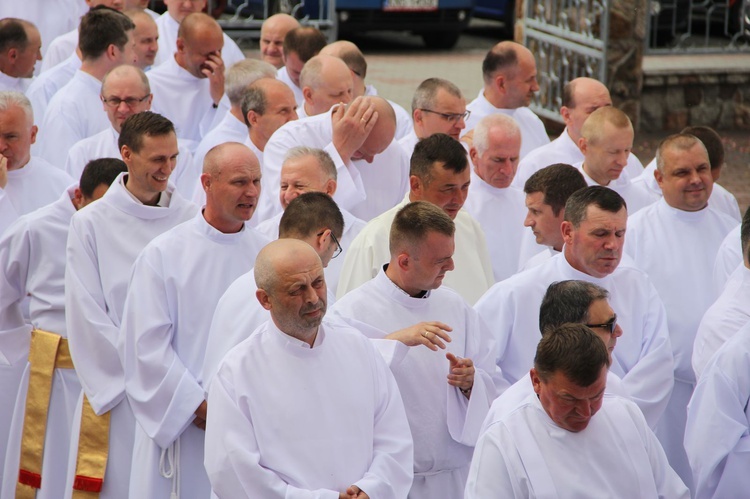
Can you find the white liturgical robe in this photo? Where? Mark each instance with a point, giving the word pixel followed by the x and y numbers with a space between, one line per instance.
pixel 168 28
pixel 533 133
pixel 635 198
pixel 561 150
pixel 103 243
pixel 229 129
pixel 728 314
pixel 60 49
pixel 365 189
pixel 525 454
pixel 34 185
pixel 10 83
pixel 717 434
pixel 32 263
pixel 721 199
pixel 177 280
pixel 185 176
pixel 444 424
pixel 45 86
pixel 643 356
pixel 185 100
pixel 74 113
pixel 676 248
pixel 728 259
pixel 369 251
pixel 328 431
pixel 283 75
pixel 500 213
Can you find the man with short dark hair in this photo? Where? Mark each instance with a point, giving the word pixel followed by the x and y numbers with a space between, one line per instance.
pixel 674 241
pixel 103 243
pixel 547 191
pixel 32 267
pixel 403 309
pixel 568 425
pixel 509 73
pixel 105 41
pixel 439 174
pixel 594 234
pixel 20 48
pixel 300 45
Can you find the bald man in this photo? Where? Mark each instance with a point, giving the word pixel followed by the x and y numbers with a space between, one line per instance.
pixel 325 81
pixel 189 87
pixel 176 282
pixel 581 97
pixel 272 33
pixel 323 444
pixel 509 73
pixel 20 48
pixel 169 26
pixel 145 36
pixel 355 60
pixel 372 168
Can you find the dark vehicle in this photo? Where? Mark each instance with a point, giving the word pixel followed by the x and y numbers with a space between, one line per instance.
pixel 498 10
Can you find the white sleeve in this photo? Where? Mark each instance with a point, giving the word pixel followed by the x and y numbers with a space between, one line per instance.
pixel 359 264
pixel 14 270
pixel 493 473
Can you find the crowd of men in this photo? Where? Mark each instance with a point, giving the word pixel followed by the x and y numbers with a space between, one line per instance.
pixel 230 276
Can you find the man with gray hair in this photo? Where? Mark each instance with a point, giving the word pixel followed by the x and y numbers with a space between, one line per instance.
pixel 509 73
pixel 20 48
pixel 232 127
pixel 125 92
pixel 493 202
pixel 312 170
pixel 325 81
pixel 437 107
pixel 26 182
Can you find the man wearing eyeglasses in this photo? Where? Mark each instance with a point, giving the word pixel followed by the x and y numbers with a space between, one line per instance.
pixel 437 107
pixel 125 92
pixel 436 346
pixel 313 218
pixel 593 232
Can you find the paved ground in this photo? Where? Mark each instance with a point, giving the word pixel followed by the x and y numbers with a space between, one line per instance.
pixel 398 62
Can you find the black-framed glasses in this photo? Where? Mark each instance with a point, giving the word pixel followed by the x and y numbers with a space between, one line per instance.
pixel 129 101
pixel 452 117
pixel 338 249
pixel 610 325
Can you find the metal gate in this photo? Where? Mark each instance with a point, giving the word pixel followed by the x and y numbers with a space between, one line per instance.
pixel 568 39
pixel 243 18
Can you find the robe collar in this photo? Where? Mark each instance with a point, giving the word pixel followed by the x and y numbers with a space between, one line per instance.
pixel 486 107
pixel 89 82
pixel 213 234
pixel 395 293
pixel 293 344
pixel 665 211
pixel 565 145
pixel 170 67
pixel 620 182
pixel 12 83
pixel 566 271
pixel 28 169
pixel 119 197
pixel 478 184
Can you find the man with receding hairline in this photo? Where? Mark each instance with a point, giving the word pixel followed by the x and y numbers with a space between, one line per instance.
pixel 340 425
pixel 176 282
pixel 325 81
pixel 20 48
pixel 509 73
pixel 581 97
pixel 272 33
pixel 145 37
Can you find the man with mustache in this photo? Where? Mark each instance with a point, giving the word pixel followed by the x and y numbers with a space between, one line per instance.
pixel 594 234
pixel 675 241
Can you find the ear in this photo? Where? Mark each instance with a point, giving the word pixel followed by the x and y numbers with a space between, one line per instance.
pixel 34 130
pixel 474 155
pixel 77 198
pixel 566 228
pixel 565 113
pixel 263 299
pixel 330 187
pixel 417 116
pixel 583 145
pixel 402 260
pixel 252 118
pixel 500 82
pixel 415 184
pixel 659 176
pixel 307 94
pixel 205 181
pixel 536 382
pixel 126 153
pixel 112 51
pixel 322 240
pixel 150 100
pixel 13 54
pixel 180 45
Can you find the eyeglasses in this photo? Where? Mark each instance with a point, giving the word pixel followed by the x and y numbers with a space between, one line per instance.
pixel 610 325
pixel 130 101
pixel 451 117
pixel 338 249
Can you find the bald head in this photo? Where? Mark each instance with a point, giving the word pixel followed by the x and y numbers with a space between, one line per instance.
pixel 272 34
pixel 509 72
pixel 224 154
pixel 325 81
pixel 382 133
pixel 353 58
pixel 199 38
pixel 280 257
pixel 145 37
pixel 581 97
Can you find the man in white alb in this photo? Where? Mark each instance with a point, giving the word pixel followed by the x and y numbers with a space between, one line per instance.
pixel 411 320
pixel 439 174
pixel 103 243
pixel 606 141
pixel 125 92
pixel 169 26
pixel 729 312
pixel 437 107
pixel 509 73
pixel 145 37
pixel 569 439
pixel 581 97
pixel 31 264
pixel 594 234
pixel 176 282
pixel 300 45
pixel 340 428
pixel 675 241
pixel 547 191
pixel 74 112
pixel 372 168
pixel 325 81
pixel 272 33
pixel 312 217
pixel 20 48
pixel 26 182
pixel 493 201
